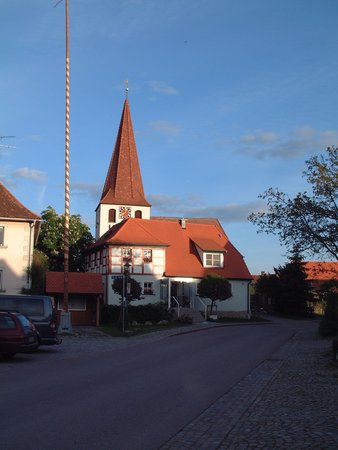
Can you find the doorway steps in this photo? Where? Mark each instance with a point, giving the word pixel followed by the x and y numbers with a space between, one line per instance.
pixel 194 314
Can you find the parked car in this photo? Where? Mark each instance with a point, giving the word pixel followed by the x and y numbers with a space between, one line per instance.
pixel 40 309
pixel 17 334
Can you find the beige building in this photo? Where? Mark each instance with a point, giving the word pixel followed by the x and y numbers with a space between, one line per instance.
pixel 19 230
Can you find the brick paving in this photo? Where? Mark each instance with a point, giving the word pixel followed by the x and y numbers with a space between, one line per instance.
pixel 289 402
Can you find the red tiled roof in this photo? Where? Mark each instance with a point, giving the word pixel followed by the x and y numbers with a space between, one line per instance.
pixel 208 245
pixel 182 258
pixel 123 183
pixel 11 208
pixel 321 271
pixel 78 283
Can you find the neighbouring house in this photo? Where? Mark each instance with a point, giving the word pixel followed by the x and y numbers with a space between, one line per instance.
pixel 317 273
pixel 168 256
pixel 320 271
pixel 19 230
pixel 85 292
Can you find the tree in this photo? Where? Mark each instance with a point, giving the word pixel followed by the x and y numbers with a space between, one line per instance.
pixel 294 290
pixel 134 290
pixel 214 287
pixel 328 325
pixel 288 288
pixel 51 240
pixel 266 289
pixel 129 289
pixel 309 221
pixel 37 273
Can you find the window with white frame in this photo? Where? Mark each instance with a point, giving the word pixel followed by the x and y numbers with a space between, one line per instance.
pixel 74 304
pixel 2 235
pixel 148 288
pixel 213 259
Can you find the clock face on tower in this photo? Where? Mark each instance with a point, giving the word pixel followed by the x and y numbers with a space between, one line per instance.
pixel 124 212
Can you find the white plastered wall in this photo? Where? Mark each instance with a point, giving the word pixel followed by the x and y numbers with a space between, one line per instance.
pixel 16 255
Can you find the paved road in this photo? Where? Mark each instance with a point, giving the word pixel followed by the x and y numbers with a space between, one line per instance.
pixel 126 394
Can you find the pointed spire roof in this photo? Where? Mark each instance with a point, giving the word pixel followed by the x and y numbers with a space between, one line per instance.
pixel 123 185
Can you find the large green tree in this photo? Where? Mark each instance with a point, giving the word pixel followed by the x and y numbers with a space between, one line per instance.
pixel 310 219
pixel 51 240
pixel 215 288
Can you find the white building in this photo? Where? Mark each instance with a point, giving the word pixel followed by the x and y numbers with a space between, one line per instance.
pixel 19 229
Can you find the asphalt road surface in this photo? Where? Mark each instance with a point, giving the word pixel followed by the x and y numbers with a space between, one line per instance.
pixel 135 397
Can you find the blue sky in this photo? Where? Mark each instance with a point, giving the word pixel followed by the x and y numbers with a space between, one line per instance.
pixel 228 98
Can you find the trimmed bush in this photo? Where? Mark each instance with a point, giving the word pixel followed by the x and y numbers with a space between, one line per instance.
pixel 142 313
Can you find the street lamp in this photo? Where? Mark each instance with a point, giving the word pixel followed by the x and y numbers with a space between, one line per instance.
pixel 126 292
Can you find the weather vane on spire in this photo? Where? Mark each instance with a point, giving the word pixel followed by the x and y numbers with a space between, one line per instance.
pixel 127 88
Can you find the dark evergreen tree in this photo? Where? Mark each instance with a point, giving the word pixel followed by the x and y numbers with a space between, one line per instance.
pixel 294 290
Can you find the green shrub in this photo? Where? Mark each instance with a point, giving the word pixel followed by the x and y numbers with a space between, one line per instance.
pixel 141 313
pixel 110 314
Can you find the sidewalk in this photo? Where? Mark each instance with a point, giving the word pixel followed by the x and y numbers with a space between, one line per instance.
pixel 289 402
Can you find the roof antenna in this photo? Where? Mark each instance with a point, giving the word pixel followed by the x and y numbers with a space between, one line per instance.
pixel 127 88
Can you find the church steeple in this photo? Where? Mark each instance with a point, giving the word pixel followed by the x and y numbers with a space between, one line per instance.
pixel 122 194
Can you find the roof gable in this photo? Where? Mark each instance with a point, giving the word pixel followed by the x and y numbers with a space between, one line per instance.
pixel 11 208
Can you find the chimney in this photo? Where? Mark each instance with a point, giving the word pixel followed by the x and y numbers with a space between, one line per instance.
pixel 183 223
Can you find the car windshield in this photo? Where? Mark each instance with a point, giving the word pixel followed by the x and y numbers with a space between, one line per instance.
pixel 29 307
pixel 7 323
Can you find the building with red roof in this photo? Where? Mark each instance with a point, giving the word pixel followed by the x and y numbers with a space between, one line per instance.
pixel 85 292
pixel 168 256
pixel 320 271
pixel 19 230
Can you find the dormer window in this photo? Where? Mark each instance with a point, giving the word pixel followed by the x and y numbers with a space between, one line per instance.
pixel 213 260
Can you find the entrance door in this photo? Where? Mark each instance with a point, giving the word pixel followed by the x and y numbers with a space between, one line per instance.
pixel 181 291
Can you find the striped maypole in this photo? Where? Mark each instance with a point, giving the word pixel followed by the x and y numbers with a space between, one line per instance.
pixel 66 229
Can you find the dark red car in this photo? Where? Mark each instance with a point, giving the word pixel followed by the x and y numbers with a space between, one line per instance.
pixel 17 334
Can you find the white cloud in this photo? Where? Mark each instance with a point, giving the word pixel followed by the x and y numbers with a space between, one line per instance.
pixel 262 137
pixel 181 207
pixel 300 141
pixel 30 174
pixel 86 189
pixel 163 88
pixel 165 127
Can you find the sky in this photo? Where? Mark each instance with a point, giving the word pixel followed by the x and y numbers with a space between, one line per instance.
pixel 228 98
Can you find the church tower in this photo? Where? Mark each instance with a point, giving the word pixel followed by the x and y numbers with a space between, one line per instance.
pixel 123 195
